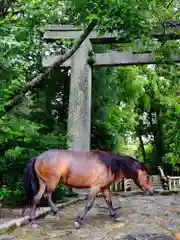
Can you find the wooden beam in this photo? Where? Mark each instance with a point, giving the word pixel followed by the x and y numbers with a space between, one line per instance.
pixel 57 32
pixel 115 58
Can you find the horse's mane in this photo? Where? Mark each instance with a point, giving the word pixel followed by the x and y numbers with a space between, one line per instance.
pixel 117 162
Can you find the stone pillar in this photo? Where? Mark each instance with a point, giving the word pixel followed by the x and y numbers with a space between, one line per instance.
pixel 79 115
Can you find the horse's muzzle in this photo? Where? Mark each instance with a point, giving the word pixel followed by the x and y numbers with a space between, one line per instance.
pixel 150 191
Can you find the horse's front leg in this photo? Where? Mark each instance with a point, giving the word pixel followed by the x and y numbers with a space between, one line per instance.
pixel 91 197
pixel 107 196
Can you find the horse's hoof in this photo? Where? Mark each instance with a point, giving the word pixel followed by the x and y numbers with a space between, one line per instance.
pixel 57 215
pixel 34 225
pixel 118 219
pixel 77 225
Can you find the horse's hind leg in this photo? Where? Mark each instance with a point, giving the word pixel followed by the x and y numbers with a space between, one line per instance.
pixel 51 186
pixel 55 210
pixel 36 200
pixel 107 196
pixel 91 198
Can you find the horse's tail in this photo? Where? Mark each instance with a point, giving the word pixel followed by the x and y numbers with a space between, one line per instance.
pixel 30 181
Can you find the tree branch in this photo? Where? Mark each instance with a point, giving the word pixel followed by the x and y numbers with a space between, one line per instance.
pixel 32 84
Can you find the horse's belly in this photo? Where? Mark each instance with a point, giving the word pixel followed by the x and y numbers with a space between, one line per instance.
pixel 78 182
pixel 85 175
pixel 80 176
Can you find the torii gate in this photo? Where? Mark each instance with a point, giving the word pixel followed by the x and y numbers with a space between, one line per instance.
pixel 79 113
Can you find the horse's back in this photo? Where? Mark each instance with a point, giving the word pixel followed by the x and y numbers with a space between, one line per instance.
pixel 76 169
pixel 55 159
pixel 58 161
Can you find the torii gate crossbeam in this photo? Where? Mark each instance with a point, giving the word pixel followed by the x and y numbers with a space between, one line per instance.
pixel 79 113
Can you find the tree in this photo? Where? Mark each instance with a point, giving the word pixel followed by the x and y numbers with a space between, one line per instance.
pixel 109 16
pixel 35 113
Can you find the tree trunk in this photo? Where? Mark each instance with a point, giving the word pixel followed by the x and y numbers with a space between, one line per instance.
pixel 142 147
pixel 160 137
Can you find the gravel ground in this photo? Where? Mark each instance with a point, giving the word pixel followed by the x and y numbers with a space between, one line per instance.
pixel 142 217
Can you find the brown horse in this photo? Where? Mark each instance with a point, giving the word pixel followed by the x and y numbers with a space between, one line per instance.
pixel 95 169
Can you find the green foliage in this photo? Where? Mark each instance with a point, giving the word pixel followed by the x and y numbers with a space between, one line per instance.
pixel 128 102
pixel 114 15
pixel 172 139
pixel 148 150
pixel 151 94
pixel 35 125
pixel 111 119
pixel 22 139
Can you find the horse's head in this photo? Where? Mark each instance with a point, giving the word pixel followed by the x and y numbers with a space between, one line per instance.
pixel 142 179
pixel 123 166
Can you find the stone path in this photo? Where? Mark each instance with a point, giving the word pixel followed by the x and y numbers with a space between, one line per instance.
pixel 143 217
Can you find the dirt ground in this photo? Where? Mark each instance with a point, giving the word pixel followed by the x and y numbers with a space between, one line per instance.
pixel 142 217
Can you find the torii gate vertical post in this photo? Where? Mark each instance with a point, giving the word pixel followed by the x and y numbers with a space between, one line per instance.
pixel 79 115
